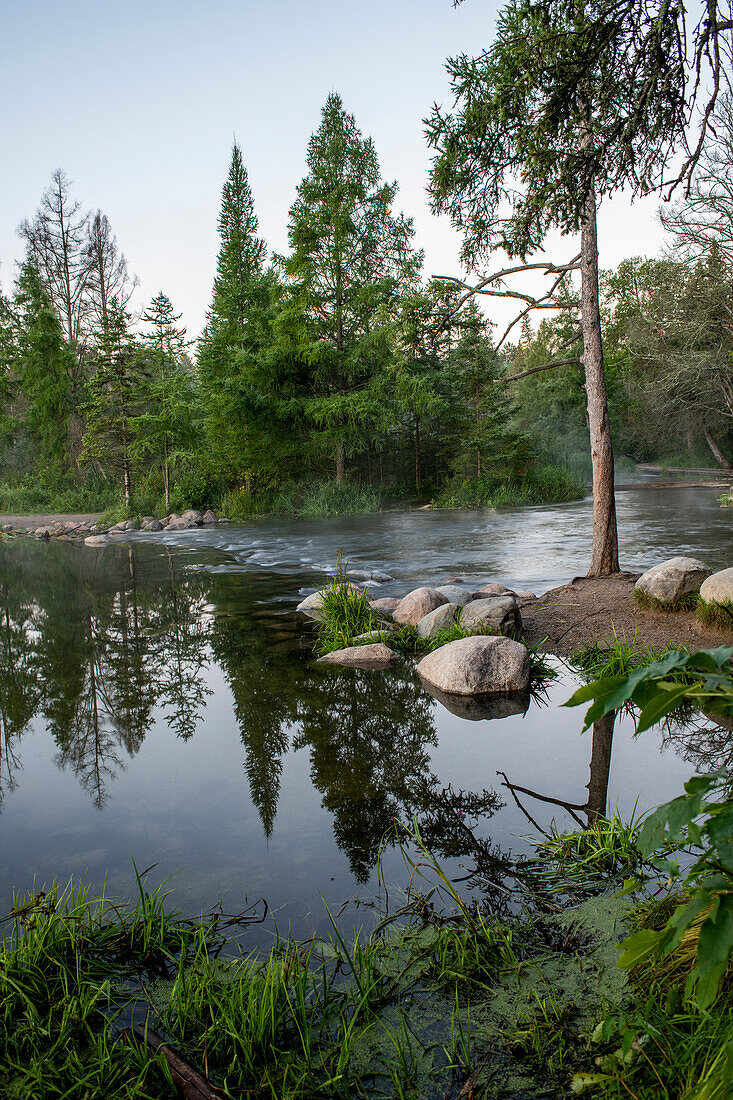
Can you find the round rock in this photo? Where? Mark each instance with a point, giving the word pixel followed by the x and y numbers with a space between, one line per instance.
pixel 375 655
pixel 477 666
pixel 435 621
pixel 673 579
pixel 455 593
pixel 718 588
pixel 499 614
pixel 417 604
pixel 96 540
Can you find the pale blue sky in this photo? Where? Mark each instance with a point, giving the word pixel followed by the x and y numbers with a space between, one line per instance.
pixel 139 103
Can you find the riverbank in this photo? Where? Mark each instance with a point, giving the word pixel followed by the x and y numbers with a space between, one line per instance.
pixel 589 610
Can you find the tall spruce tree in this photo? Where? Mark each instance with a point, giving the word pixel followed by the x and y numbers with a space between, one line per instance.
pixel 43 367
pixel 118 391
pixel 350 257
pixel 235 325
pixel 167 420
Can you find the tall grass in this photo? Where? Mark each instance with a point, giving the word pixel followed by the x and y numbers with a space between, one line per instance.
pixel 540 485
pixel 315 499
pixel 615 656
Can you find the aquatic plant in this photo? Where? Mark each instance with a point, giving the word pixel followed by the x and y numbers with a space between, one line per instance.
pixel 616 656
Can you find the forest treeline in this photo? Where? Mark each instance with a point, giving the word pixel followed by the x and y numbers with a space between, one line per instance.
pixel 339 374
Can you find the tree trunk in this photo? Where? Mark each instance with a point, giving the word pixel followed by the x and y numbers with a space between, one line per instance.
pixel 719 456
pixel 600 765
pixel 340 466
pixel 127 481
pixel 604 558
pixel 166 477
pixel 418 478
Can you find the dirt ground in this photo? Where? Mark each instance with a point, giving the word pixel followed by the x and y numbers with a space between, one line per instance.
pixel 29 523
pixel 590 609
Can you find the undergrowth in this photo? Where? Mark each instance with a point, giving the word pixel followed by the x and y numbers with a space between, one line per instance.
pixel 541 485
pixel 719 615
pixel 616 656
pixel 682 603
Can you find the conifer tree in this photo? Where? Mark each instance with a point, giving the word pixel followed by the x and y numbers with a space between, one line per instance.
pixel 43 366
pixel 237 324
pixel 117 393
pixel 350 257
pixel 167 421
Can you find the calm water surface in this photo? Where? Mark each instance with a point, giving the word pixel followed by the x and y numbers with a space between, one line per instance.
pixel 159 701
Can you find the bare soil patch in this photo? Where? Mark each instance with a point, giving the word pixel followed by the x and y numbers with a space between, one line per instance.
pixel 42 519
pixel 589 609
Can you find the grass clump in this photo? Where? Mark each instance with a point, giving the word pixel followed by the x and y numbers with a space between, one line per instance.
pixel 615 656
pixel 585 861
pixel 719 615
pixel 540 485
pixel 682 603
pixel 316 499
pixel 345 614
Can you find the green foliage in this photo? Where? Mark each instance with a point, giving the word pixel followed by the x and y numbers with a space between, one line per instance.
pixel 681 603
pixel 346 613
pixel 586 860
pixel 701 819
pixel 543 485
pixel 716 614
pixel 614 656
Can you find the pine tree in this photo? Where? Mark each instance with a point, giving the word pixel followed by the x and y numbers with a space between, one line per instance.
pixel 118 391
pixel 167 421
pixel 43 368
pixel 350 257
pixel 237 325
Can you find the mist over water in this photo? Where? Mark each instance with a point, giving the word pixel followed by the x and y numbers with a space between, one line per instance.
pixel 159 701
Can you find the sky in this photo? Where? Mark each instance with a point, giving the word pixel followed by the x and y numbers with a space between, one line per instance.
pixel 139 104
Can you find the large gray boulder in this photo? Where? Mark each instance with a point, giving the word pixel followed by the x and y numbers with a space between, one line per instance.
pixel 493 590
pixel 369 575
pixel 385 603
pixel 210 516
pixel 417 604
pixel 672 580
pixel 435 621
pixel 181 523
pixel 455 593
pixel 151 524
pixel 375 655
pixel 482 665
pixel 718 588
pixel 498 614
pixel 96 540
pixel 194 515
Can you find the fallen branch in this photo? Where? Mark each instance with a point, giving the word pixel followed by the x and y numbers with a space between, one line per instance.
pixel 189 1082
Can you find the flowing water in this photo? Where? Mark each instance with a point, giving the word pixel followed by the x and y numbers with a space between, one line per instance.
pixel 159 702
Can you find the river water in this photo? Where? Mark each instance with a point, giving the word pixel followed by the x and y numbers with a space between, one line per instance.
pixel 159 703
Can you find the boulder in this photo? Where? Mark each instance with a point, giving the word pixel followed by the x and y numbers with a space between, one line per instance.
pixel 150 524
pixel 375 655
pixel 718 588
pixel 493 590
pixel 96 540
pixel 210 517
pixel 673 579
pixel 385 603
pixel 196 517
pixel 181 523
pixel 477 666
pixel 437 620
pixel 417 604
pixel 479 708
pixel 369 575
pixel 455 593
pixel 499 614
pixel 43 533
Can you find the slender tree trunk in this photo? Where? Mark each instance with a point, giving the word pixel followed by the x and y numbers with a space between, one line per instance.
pixel 719 456
pixel 166 476
pixel 418 477
pixel 604 558
pixel 600 765
pixel 127 481
pixel 340 465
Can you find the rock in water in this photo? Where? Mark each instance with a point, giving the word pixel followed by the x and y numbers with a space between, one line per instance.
pixel 480 708
pixel 499 614
pixel 194 515
pixel 493 590
pixel 718 588
pixel 477 666
pixel 376 655
pixel 417 604
pixel 181 523
pixel 437 620
pixel 97 540
pixel 455 593
pixel 151 524
pixel 673 579
pixel 210 517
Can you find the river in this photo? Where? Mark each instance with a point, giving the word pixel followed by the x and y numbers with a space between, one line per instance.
pixel 159 702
